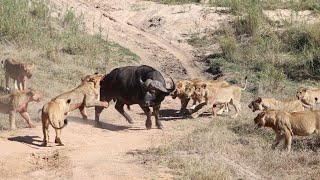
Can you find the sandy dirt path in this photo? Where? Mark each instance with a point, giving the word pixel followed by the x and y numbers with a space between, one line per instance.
pixel 89 152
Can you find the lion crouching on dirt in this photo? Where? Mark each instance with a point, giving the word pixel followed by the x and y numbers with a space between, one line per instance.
pixel 259 104
pixel 286 124
pixel 18 102
pixel 84 96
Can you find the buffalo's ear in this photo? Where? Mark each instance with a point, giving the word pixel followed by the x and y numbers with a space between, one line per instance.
pixel 68 101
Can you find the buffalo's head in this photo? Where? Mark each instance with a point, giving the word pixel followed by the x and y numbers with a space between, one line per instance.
pixel 155 91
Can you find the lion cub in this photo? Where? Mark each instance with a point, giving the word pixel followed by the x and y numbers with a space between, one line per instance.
pixel 18 102
pixel 286 124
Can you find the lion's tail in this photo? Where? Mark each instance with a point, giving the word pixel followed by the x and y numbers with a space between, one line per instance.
pixel 53 116
pixel 245 85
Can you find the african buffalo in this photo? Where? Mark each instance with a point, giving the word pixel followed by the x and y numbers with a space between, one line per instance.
pixel 128 85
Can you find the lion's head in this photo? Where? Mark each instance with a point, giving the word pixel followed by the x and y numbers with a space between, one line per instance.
pixel 183 88
pixel 301 92
pixel 27 69
pixel 95 78
pixel 256 104
pixel 35 95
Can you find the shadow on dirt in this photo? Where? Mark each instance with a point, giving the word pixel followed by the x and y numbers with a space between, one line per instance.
pixel 27 139
pixel 103 125
pixel 171 114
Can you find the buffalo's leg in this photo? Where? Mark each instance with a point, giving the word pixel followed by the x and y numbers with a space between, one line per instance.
pixel 83 112
pixel 98 110
pixel 119 107
pixel 156 110
pixel 147 111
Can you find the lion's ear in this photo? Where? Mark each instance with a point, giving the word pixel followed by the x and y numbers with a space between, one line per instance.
pixel 262 114
pixel 259 100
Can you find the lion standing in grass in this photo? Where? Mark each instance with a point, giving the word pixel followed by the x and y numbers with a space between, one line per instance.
pixel 286 124
pixel 19 72
pixel 309 96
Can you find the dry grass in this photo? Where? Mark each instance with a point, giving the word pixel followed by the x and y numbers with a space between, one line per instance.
pixel 228 148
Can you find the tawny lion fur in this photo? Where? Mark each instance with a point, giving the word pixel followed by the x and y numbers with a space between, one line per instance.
pixel 308 96
pixel 19 72
pixel 259 104
pixel 286 124
pixel 84 96
pixel 54 113
pixel 213 96
pixel 18 102
pixel 185 88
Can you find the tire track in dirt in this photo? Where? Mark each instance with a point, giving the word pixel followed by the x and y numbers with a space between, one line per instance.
pixel 153 50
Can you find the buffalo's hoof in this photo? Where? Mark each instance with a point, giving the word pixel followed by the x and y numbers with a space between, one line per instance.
pixel 45 143
pixel 148 126
pixel 98 124
pixel 160 127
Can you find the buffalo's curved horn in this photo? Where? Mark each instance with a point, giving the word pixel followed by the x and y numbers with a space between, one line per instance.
pixel 146 83
pixel 158 85
pixel 173 86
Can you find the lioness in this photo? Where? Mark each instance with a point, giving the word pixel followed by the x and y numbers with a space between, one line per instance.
pixel 309 97
pixel 85 95
pixel 213 96
pixel 19 72
pixel 54 112
pixel 183 91
pixel 18 102
pixel 185 88
pixel 286 124
pixel 270 103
